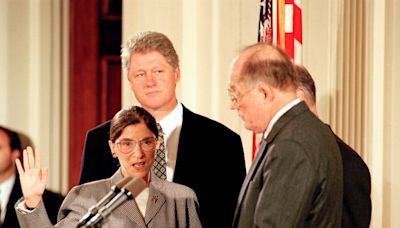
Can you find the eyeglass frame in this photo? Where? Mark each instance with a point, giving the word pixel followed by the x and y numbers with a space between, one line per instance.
pixel 236 99
pixel 135 143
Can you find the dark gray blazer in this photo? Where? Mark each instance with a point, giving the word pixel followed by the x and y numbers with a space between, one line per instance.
pixel 296 178
pixel 169 205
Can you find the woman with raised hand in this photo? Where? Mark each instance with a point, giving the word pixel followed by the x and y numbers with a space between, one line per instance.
pixel 133 140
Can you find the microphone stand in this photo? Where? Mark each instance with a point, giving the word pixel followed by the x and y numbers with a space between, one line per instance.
pixel 133 188
pixel 106 199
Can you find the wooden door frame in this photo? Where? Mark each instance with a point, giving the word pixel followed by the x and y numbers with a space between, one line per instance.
pixel 83 83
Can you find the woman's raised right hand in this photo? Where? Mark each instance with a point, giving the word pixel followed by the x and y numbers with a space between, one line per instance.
pixel 32 177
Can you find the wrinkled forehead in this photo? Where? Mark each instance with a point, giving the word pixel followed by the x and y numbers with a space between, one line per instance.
pixel 235 78
pixel 236 85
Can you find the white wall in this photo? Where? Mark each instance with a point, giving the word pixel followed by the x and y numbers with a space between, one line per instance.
pixel 391 119
pixel 33 88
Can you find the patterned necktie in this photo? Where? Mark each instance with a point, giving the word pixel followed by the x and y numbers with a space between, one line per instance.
pixel 160 165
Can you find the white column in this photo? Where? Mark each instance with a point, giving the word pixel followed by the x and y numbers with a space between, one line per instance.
pixel 386 122
pixel 375 107
pixel 34 79
pixel 3 61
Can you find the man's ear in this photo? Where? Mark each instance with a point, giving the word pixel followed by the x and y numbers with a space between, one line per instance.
pixel 112 147
pixel 16 154
pixel 266 91
pixel 177 74
pixel 301 94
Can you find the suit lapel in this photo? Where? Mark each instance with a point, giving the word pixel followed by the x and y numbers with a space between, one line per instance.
pixel 187 119
pixel 156 199
pixel 264 147
pixel 11 218
pixel 129 208
pixel 285 119
pixel 261 151
pixel 131 211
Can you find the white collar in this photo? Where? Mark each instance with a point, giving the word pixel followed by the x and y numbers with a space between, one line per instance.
pixel 8 184
pixel 6 188
pixel 172 120
pixel 278 115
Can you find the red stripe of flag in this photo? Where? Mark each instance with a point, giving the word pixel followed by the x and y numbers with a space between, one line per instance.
pixel 297 24
pixel 289 44
pixel 273 30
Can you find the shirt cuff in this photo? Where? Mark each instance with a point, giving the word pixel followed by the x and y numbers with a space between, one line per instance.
pixel 21 207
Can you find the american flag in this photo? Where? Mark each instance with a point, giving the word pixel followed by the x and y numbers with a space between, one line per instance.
pixel 280 24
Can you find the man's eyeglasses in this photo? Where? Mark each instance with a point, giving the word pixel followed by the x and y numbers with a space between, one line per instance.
pixel 235 99
pixel 126 146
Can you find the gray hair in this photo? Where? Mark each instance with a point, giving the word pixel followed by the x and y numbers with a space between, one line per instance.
pixel 306 82
pixel 270 64
pixel 144 42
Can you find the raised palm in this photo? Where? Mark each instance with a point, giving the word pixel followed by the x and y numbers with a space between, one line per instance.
pixel 33 178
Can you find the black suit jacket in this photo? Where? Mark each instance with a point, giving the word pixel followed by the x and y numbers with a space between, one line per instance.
pixel 356 188
pixel 296 177
pixel 51 200
pixel 210 160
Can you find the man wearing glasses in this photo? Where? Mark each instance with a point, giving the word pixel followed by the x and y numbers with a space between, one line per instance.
pixel 296 177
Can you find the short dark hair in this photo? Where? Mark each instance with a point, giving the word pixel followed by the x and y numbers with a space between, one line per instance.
pixel 305 81
pixel 15 142
pixel 269 64
pixel 129 116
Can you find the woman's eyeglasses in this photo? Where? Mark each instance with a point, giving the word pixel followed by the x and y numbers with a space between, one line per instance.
pixel 126 146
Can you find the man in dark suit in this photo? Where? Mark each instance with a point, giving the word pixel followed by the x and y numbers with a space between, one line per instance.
pixel 201 153
pixel 296 177
pixel 10 149
pixel 357 204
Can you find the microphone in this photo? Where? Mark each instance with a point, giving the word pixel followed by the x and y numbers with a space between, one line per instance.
pixel 131 189
pixel 115 189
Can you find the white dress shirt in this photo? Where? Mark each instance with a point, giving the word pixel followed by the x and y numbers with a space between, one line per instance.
pixel 278 115
pixel 5 192
pixel 172 125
